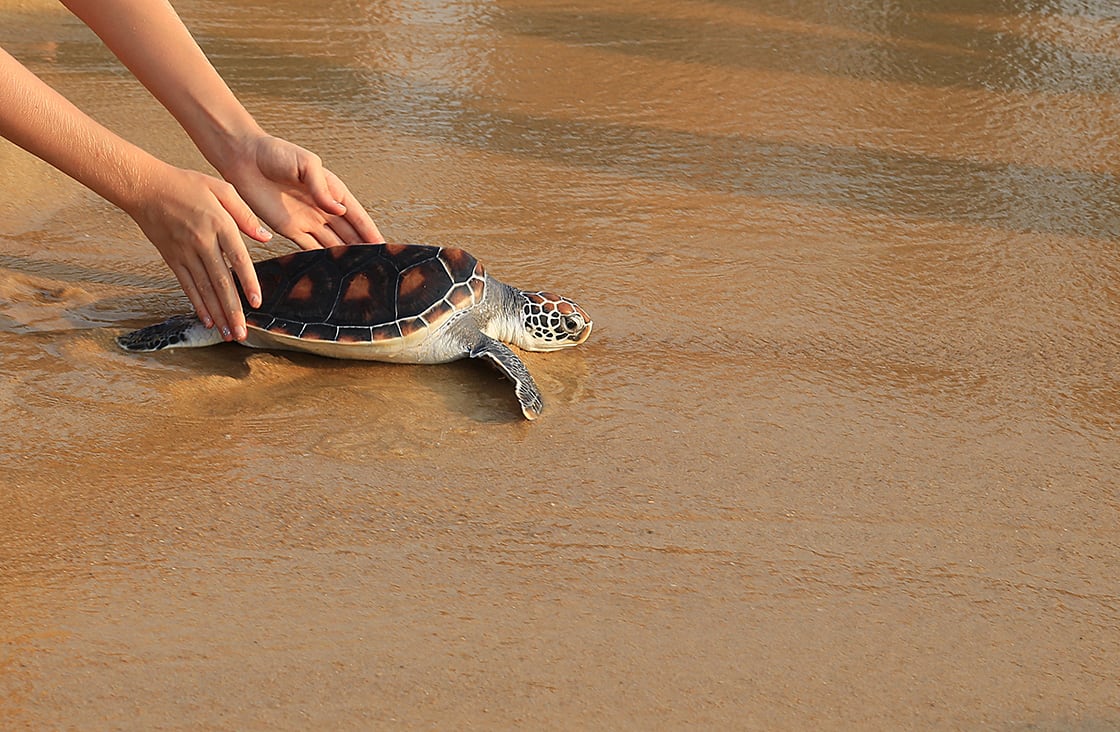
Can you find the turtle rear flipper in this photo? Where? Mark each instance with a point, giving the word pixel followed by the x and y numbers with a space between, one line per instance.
pixel 509 364
pixel 179 331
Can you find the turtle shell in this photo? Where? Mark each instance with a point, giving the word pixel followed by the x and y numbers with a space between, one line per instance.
pixel 387 294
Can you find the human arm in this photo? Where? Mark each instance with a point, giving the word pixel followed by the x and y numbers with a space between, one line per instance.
pixel 285 185
pixel 193 219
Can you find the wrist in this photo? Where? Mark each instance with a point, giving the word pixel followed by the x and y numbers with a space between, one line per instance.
pixel 137 183
pixel 231 148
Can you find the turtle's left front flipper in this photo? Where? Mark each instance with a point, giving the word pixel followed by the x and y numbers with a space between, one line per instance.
pixel 509 364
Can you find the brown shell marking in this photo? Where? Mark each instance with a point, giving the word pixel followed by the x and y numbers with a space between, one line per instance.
pixel 365 293
pixel 320 332
pixel 478 286
pixel 461 297
pixel 389 332
pixel 412 326
pixel 287 327
pixel 303 290
pixel 458 262
pixel 355 334
pixel 439 312
pixel 414 292
pixel 256 319
pixel 358 288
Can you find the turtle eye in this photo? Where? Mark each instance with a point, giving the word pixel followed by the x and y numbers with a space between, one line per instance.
pixel 573 324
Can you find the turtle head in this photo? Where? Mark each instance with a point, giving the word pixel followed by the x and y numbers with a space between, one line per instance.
pixel 550 322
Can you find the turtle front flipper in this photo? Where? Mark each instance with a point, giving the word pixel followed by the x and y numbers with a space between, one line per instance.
pixel 179 331
pixel 509 364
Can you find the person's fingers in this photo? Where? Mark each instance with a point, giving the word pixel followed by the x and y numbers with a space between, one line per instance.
pixel 315 178
pixel 305 240
pixel 237 255
pixel 365 231
pixel 328 235
pixel 345 231
pixel 211 302
pixel 327 238
pixel 223 286
pixel 247 221
pixel 186 281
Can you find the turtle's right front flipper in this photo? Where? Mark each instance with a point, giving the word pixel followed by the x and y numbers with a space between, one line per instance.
pixel 509 364
pixel 180 331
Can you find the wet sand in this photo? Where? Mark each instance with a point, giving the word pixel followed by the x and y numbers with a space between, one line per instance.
pixel 840 454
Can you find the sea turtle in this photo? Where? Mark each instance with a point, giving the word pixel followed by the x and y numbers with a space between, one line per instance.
pixel 391 302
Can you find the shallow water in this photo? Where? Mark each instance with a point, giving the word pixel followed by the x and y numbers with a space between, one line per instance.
pixel 841 452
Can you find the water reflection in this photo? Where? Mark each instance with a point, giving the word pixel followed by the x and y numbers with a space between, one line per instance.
pixel 439 99
pixel 419 70
pixel 896 42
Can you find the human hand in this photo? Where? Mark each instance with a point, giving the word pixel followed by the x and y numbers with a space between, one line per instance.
pixel 290 189
pixel 194 221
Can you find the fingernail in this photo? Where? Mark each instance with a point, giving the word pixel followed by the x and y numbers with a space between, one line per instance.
pixel 239 333
pixel 225 333
pixel 342 206
pixel 208 322
pixel 264 233
pixel 255 300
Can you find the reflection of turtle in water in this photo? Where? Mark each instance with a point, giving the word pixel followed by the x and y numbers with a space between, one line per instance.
pixel 390 302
